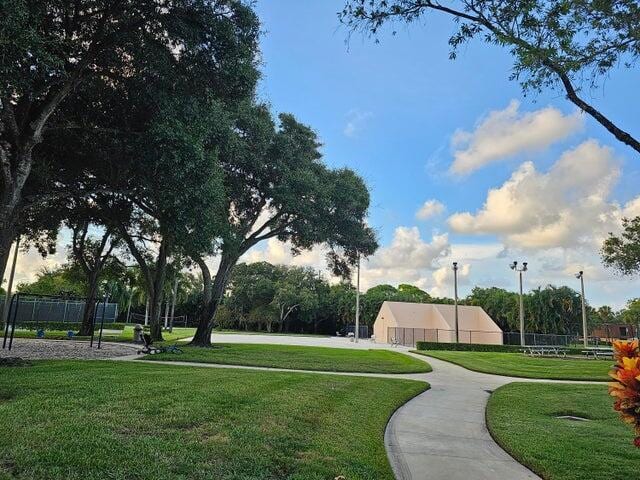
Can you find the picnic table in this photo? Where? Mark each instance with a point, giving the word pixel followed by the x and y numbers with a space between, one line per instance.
pixel 598 352
pixel 545 350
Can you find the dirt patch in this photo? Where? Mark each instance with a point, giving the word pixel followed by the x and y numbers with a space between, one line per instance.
pixel 39 349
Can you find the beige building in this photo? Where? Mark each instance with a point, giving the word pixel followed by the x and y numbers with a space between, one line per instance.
pixel 406 323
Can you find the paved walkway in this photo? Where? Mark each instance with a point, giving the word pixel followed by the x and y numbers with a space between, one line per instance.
pixel 439 435
pixel 442 434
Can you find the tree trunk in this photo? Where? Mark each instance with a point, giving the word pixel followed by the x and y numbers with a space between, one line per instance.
pixel 202 338
pixel 155 304
pixel 4 254
pixel 89 307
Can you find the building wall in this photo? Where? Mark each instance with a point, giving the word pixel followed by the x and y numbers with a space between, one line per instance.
pixel 475 326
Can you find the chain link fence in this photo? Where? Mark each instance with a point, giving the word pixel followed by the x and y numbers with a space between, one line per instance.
pixel 40 310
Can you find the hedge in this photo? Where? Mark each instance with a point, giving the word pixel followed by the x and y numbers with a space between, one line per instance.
pixel 64 326
pixel 467 347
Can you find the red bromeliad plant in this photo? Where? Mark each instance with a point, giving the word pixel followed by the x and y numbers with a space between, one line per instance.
pixel 626 388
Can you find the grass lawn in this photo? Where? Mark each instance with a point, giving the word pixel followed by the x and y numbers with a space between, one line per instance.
pixel 126 335
pixel 248 332
pixel 521 417
pixel 109 420
pixel 520 365
pixel 303 358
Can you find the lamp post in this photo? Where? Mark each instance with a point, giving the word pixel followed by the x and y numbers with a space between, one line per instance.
pixel 357 332
pixel 580 275
pixel 520 270
pixel 455 297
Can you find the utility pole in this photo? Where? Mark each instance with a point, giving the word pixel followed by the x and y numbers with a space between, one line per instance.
pixel 357 332
pixel 7 298
pixel 520 270
pixel 455 297
pixel 580 275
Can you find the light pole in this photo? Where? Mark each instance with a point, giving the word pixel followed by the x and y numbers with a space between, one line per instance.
pixel 523 268
pixel 580 275
pixel 357 332
pixel 455 296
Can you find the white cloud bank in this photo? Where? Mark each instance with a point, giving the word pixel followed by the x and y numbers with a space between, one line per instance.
pixel 429 209
pixel 505 133
pixel 567 206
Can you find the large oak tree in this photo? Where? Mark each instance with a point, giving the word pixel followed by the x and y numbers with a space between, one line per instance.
pixel 276 186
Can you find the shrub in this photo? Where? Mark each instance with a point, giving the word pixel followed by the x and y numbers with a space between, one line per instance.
pixel 626 387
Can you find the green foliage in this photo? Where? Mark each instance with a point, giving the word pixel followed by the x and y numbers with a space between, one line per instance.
pixel 547 310
pixel 265 295
pixel 66 280
pixel 66 326
pixel 631 314
pixel 623 252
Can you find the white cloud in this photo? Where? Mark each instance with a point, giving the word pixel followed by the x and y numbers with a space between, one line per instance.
pixel 567 206
pixel 505 133
pixel 407 259
pixel 356 119
pixel 429 209
pixel 443 280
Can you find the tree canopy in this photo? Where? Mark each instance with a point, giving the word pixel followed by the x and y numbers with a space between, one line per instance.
pixel 622 252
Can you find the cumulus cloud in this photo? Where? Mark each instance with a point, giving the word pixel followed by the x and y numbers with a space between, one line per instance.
pixel 442 285
pixel 356 119
pixel 566 206
pixel 407 259
pixel 505 133
pixel 430 208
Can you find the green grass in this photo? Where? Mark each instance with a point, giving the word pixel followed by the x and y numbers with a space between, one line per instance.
pixel 126 335
pixel 520 365
pixel 302 358
pixel 521 417
pixel 226 331
pixel 109 420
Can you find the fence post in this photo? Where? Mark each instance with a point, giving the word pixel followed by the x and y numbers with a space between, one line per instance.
pixel 437 336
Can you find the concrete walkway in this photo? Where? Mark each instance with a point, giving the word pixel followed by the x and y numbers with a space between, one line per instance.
pixel 439 435
pixel 442 434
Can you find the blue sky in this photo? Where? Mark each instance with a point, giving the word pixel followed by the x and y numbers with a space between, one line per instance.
pixel 389 110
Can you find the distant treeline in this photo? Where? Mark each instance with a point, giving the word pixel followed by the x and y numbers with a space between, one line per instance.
pixel 266 297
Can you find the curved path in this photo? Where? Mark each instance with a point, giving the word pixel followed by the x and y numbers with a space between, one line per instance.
pixel 440 434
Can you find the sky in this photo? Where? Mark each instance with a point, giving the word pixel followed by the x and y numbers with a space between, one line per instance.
pixel 460 164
